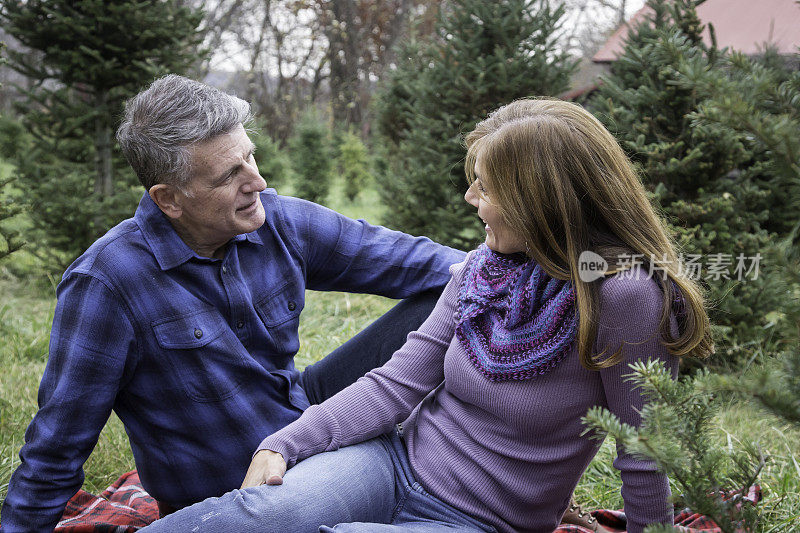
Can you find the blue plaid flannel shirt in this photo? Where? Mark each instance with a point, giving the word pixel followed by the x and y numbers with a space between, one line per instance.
pixel 195 355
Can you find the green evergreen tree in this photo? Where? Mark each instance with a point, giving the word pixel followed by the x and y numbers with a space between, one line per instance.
pixel 485 54
pixel 353 163
pixel 702 175
pixel 761 99
pixel 311 158
pixel 12 136
pixel 10 207
pixel 774 384
pixel 86 58
pixel 274 164
pixel 643 104
pixel 677 433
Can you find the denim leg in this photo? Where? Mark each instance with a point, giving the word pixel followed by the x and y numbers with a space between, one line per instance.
pixel 424 512
pixel 355 483
pixel 422 526
pixel 369 349
pixel 417 511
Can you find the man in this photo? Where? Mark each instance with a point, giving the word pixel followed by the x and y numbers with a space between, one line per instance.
pixel 184 318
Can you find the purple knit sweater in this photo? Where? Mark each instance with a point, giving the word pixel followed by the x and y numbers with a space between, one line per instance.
pixel 508 453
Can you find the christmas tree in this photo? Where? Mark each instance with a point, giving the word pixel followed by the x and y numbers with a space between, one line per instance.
pixel 311 158
pixel 701 175
pixel 86 58
pixel 10 240
pixel 485 54
pixel 353 163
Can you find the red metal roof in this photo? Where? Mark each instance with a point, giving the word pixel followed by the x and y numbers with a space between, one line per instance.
pixel 743 25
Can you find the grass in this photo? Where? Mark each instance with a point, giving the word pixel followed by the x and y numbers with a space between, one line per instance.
pixel 736 424
pixel 331 318
pixel 25 316
pixel 328 320
pixel 780 442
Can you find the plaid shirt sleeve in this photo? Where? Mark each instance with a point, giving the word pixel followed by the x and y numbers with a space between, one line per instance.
pixel 355 256
pixel 90 346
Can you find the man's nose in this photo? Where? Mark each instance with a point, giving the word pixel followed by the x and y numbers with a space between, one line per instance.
pixel 254 183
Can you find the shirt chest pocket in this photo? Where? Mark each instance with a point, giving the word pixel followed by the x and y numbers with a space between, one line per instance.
pixel 280 312
pixel 204 354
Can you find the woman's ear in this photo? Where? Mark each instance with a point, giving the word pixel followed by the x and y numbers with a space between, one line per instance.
pixel 168 199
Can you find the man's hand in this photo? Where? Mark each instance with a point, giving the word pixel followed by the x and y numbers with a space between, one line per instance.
pixel 266 468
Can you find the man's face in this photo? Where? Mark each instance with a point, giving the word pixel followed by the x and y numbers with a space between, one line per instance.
pixel 221 199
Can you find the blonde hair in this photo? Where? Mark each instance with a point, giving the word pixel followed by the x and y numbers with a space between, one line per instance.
pixel 561 180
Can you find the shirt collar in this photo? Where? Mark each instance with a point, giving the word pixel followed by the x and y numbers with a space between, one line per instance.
pixel 167 247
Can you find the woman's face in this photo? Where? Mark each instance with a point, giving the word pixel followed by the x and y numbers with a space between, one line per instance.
pixel 499 236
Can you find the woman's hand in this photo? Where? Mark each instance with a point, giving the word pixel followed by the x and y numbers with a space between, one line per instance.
pixel 266 468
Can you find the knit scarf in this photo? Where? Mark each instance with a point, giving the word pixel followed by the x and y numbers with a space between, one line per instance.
pixel 513 320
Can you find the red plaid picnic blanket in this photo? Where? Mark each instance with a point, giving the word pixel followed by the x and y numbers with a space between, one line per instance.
pixel 125 507
pixel 686 521
pixel 122 507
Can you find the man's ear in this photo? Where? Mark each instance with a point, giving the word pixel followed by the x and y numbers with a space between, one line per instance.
pixel 168 199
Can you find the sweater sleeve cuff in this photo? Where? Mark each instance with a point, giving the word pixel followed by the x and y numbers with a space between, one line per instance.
pixel 314 432
pixel 647 499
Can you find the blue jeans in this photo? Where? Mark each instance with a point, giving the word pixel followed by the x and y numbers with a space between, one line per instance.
pixel 368 487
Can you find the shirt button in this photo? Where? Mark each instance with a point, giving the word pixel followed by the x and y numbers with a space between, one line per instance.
pixel 292 306
pixel 198 333
pixel 224 270
pixel 240 324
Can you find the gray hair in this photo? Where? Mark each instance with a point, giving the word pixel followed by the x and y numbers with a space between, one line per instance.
pixel 163 121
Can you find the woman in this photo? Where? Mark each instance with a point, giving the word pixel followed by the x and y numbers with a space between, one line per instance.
pixel 492 387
